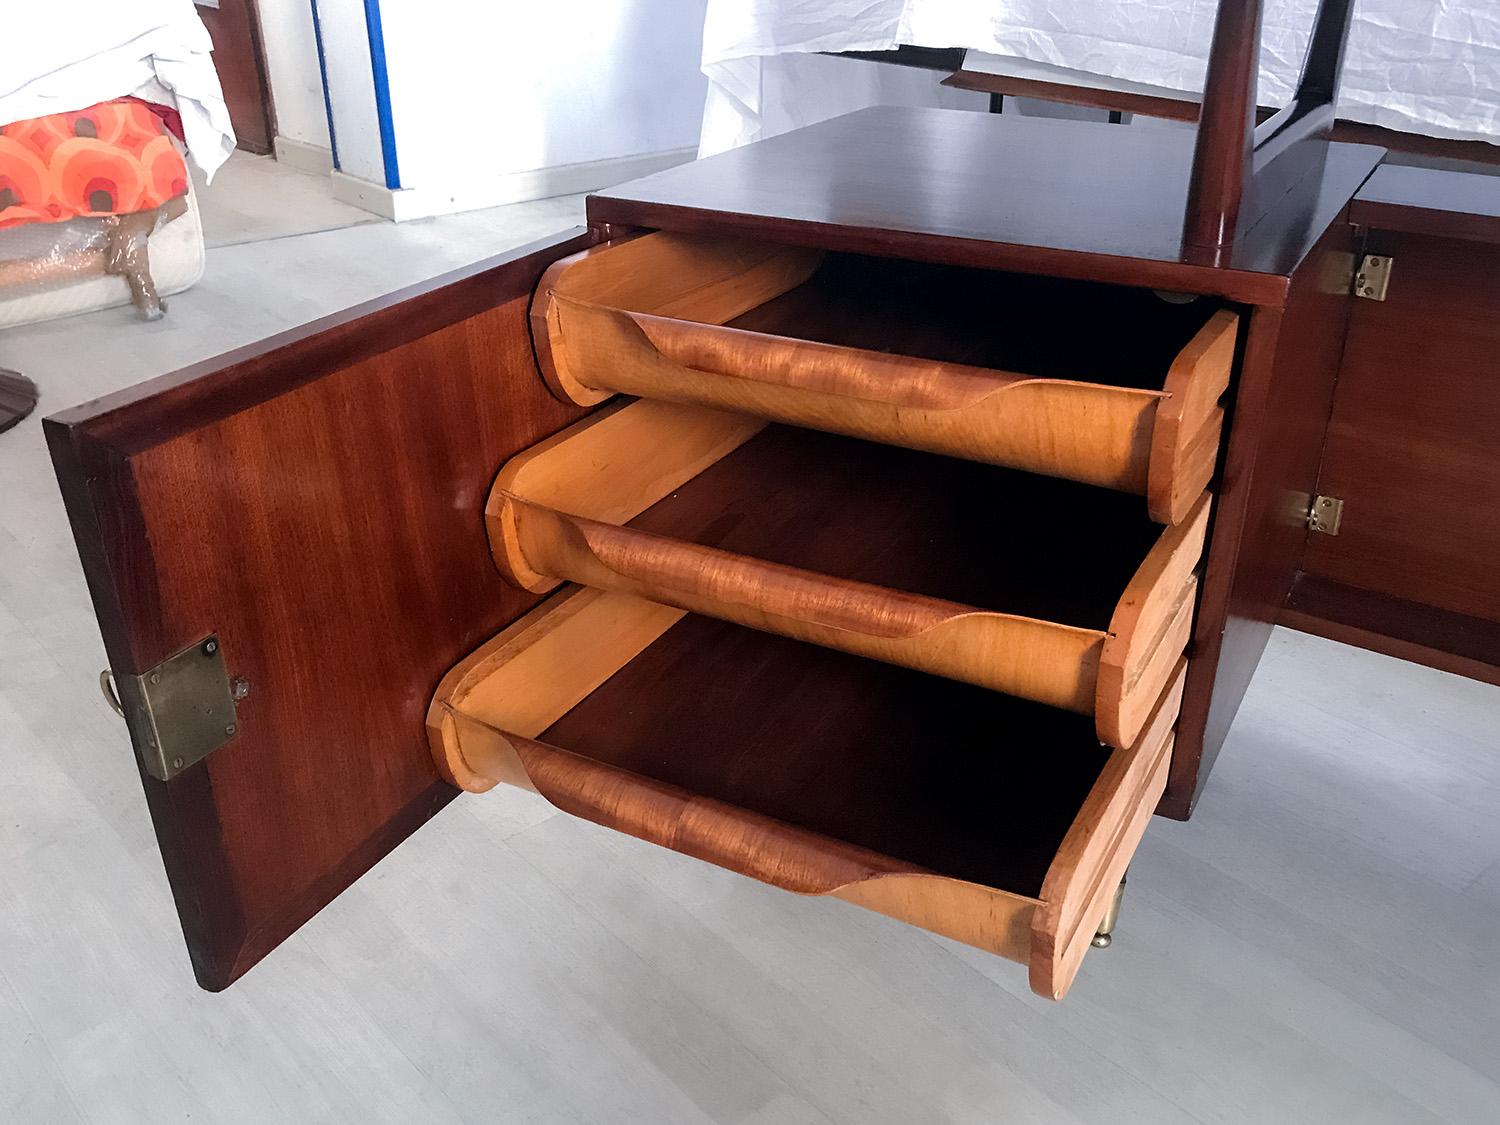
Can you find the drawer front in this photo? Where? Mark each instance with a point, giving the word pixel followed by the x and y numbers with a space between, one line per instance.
pixel 659 317
pixel 562 512
pixel 824 810
pixel 881 670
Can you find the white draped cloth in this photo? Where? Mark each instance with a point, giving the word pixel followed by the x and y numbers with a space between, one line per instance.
pixel 58 59
pixel 1423 66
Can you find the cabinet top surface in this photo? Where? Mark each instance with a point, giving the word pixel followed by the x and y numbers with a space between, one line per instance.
pixel 1431 201
pixel 1029 194
pixel 1434 189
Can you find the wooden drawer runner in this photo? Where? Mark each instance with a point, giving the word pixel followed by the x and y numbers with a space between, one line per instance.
pixel 989 819
pixel 1111 386
pixel 1043 588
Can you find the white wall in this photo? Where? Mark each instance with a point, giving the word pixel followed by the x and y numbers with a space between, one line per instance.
pixel 493 102
pixel 351 88
pixel 490 102
pixel 292 70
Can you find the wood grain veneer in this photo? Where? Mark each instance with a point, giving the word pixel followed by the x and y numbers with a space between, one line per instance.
pixel 612 466
pixel 1454 642
pixel 1085 202
pixel 1058 665
pixel 570 529
pixel 1189 420
pixel 987 819
pixel 1097 426
pixel 537 670
pixel 233 498
pixel 709 279
pixel 1411 446
pixel 1092 859
pixel 1058 199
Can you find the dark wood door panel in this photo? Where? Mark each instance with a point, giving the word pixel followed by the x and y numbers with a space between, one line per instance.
pixel 317 502
pixel 234 27
pixel 1414 442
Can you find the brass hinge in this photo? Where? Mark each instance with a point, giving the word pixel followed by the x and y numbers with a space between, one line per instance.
pixel 1373 277
pixel 1325 514
pixel 179 712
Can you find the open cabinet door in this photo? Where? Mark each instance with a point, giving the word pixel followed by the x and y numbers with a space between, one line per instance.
pixel 314 506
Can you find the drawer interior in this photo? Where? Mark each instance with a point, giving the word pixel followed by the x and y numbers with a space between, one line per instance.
pixel 951 778
pixel 980 816
pixel 1038 326
pixel 984 536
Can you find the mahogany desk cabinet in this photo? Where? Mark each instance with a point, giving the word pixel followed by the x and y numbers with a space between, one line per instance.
pixel 895 509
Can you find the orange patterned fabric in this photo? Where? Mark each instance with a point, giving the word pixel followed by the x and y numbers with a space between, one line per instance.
pixel 114 158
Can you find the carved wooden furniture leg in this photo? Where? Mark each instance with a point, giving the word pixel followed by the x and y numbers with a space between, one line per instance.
pixel 1105 934
pixel 128 254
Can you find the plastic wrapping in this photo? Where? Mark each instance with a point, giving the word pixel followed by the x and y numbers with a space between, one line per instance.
pixel 177 259
pixel 41 253
pixel 38 255
pixel 1426 66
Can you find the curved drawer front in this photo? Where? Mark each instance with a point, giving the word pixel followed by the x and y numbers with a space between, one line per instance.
pixel 564 512
pixel 652 317
pixel 986 819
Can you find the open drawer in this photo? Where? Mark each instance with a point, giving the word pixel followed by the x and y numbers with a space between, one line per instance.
pixel 1111 386
pixel 1043 588
pixel 985 818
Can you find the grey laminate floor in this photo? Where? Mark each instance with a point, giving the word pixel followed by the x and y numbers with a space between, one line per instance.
pixel 255 199
pixel 1320 944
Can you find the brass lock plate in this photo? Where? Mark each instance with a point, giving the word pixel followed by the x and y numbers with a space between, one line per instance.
pixel 181 711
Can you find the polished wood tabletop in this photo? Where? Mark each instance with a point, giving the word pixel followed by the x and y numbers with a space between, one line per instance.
pixel 1069 199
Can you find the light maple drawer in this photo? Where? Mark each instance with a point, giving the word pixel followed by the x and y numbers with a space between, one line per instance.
pixel 1043 588
pixel 1111 386
pixel 985 818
